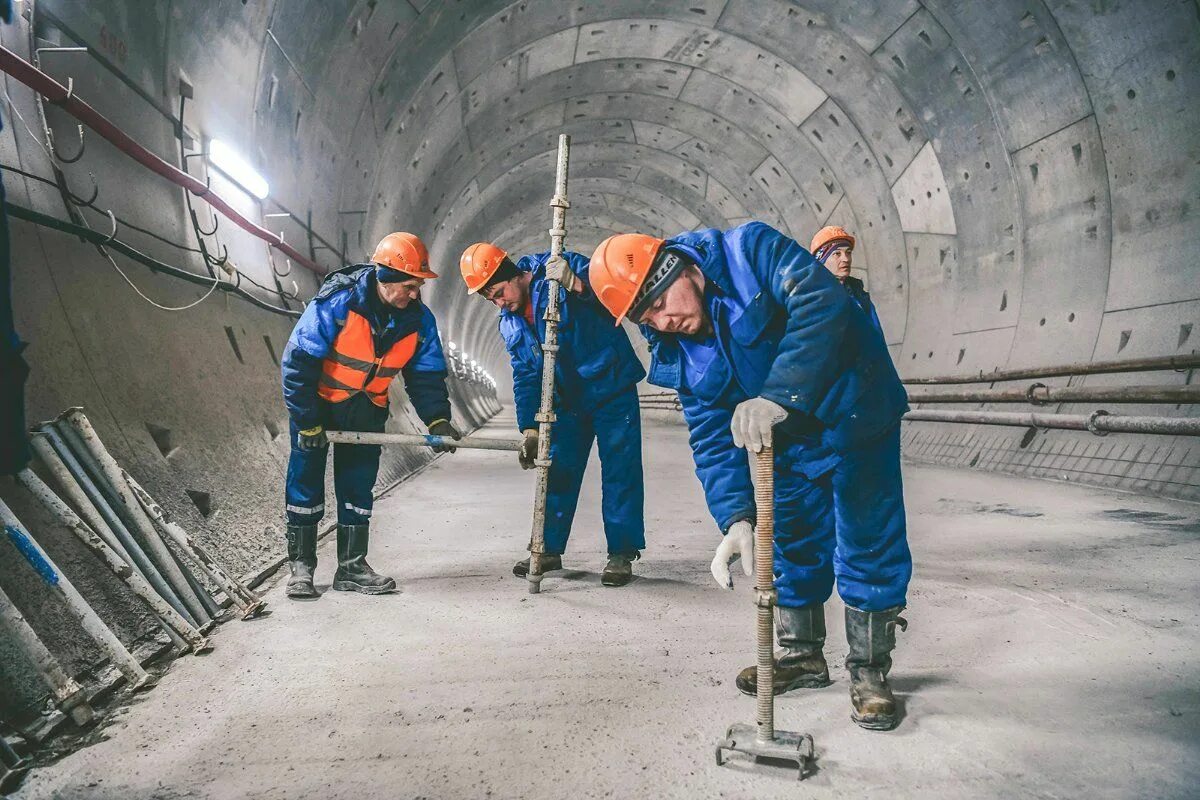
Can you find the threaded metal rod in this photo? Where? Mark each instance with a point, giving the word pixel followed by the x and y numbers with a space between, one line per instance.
pixel 764 587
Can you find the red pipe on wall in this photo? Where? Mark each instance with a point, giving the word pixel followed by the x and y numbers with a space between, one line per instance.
pixel 57 94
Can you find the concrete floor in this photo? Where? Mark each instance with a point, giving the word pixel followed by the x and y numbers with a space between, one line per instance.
pixel 1053 651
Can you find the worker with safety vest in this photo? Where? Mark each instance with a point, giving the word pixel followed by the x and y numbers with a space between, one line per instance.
pixel 595 396
pixel 365 326
pixel 833 246
pixel 763 344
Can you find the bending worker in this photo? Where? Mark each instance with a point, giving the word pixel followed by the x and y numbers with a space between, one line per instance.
pixel 596 397
pixel 366 325
pixel 833 246
pixel 762 343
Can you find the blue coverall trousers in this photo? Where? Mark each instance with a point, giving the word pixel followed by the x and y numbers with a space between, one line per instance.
pixel 847 524
pixel 616 427
pixel 355 466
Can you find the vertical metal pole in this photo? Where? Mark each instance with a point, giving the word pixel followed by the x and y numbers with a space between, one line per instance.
pixel 545 416
pixel 68 695
pixel 247 602
pixel 764 587
pixel 122 570
pixel 145 529
pixel 76 605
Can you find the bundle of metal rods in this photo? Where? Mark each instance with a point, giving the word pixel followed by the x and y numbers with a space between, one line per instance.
pixel 126 529
pixel 1099 422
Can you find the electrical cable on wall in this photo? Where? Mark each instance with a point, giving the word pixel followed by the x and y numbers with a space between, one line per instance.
pixel 95 237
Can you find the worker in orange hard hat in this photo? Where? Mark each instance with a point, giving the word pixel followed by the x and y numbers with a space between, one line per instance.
pixel 595 398
pixel 764 346
pixel 833 246
pixel 365 325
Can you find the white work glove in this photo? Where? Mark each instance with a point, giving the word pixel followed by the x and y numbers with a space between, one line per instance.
pixel 527 455
pixel 738 542
pixel 753 421
pixel 558 269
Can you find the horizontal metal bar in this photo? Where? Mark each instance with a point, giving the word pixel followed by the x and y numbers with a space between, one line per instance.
pixel 1038 393
pixel 1098 422
pixel 417 440
pixel 1181 362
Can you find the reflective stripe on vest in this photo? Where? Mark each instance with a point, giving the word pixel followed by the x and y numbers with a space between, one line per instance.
pixel 353 367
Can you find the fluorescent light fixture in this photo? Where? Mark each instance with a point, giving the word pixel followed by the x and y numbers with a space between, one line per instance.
pixel 226 159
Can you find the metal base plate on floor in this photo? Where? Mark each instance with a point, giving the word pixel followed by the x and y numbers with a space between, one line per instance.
pixel 793 748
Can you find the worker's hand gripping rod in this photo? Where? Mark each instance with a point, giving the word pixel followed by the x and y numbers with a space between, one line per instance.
pixel 545 416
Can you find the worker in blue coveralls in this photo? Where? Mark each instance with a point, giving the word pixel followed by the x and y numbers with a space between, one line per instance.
pixel 763 345
pixel 365 326
pixel 596 396
pixel 833 246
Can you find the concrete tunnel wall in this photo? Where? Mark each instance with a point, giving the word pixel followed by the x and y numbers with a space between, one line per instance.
pixel 1023 178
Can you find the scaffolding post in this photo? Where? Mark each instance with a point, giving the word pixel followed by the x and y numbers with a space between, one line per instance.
pixel 545 416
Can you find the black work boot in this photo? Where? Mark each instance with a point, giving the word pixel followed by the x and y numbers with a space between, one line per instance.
pixel 619 570
pixel 549 562
pixel 302 561
pixel 872 637
pixel 801 664
pixel 354 574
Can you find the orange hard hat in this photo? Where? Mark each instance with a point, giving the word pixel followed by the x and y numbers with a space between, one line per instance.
pixel 479 263
pixel 829 234
pixel 619 268
pixel 404 252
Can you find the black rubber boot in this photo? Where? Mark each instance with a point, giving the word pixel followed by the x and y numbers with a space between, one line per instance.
pixel 354 574
pixel 801 664
pixel 872 637
pixel 302 561
pixel 619 570
pixel 549 562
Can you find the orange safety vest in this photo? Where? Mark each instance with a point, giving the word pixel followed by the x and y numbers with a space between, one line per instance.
pixel 353 367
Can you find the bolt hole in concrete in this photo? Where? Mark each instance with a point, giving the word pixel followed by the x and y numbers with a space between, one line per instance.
pixel 271 349
pixel 202 501
pixel 162 439
pixel 233 344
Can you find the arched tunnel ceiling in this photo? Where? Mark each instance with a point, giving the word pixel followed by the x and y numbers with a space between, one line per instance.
pixel 979 150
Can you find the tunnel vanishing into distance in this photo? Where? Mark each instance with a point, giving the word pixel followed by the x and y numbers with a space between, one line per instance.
pixel 1023 178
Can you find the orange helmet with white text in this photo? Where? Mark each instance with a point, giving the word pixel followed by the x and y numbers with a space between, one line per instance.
pixel 403 252
pixel 479 263
pixel 619 269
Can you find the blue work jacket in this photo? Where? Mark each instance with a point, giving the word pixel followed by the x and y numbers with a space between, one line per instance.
pixel 785 330
pixel 595 359
pixel 353 289
pixel 858 293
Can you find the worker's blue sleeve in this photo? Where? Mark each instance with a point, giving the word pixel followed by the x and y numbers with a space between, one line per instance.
pixel 526 369
pixel 306 349
pixel 818 308
pixel 425 374
pixel 721 466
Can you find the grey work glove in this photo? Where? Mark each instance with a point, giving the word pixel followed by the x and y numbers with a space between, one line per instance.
pixel 738 543
pixel 529 447
pixel 558 269
pixel 313 438
pixel 442 427
pixel 753 421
